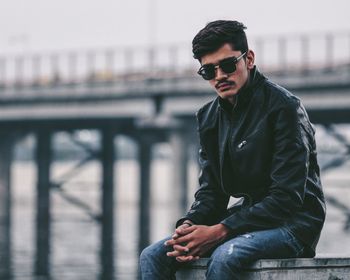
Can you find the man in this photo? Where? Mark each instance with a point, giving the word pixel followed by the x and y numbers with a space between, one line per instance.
pixel 257 144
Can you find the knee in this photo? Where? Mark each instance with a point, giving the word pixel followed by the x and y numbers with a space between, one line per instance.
pixel 154 263
pixel 148 253
pixel 153 252
pixel 227 257
pixel 225 261
pixel 145 254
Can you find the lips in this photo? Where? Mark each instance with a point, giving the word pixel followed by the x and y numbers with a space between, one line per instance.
pixel 224 86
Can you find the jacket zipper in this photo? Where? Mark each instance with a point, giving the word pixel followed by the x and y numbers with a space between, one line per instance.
pixel 226 142
pixel 228 137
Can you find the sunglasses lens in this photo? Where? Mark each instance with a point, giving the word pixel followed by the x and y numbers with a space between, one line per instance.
pixel 207 72
pixel 228 65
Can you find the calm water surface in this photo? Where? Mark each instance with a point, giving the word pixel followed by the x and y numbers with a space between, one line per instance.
pixel 75 235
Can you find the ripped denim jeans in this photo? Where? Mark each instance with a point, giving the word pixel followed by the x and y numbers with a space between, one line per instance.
pixel 228 259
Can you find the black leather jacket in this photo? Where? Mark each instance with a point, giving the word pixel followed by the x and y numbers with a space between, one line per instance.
pixel 264 151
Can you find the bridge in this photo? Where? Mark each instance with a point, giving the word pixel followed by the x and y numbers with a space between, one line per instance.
pixel 150 95
pixel 140 82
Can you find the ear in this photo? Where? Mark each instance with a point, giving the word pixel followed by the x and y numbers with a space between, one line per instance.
pixel 250 59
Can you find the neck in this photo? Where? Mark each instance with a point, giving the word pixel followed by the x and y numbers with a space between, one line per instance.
pixel 232 100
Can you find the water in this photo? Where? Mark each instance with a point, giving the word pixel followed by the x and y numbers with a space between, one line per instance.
pixel 75 235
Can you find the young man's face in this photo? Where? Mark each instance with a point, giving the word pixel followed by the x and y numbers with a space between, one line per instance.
pixel 227 85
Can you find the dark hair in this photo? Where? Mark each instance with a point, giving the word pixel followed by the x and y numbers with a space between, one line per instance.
pixel 217 33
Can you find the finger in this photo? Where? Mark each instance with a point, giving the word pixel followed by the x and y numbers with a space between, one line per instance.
pixel 185 258
pixel 167 241
pixel 174 253
pixel 193 250
pixel 179 230
pixel 184 230
pixel 182 249
pixel 183 226
pixel 176 235
pixel 180 240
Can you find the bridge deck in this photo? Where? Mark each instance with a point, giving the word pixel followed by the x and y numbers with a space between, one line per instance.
pixel 325 95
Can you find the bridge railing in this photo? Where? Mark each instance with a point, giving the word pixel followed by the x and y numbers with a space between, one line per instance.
pixel 292 54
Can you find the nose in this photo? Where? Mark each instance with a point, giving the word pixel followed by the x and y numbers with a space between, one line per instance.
pixel 219 74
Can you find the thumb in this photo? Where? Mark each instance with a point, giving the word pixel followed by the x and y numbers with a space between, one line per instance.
pixel 185 229
pixel 178 230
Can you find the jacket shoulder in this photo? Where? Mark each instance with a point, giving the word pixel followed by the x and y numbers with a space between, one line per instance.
pixel 283 101
pixel 207 114
pixel 279 96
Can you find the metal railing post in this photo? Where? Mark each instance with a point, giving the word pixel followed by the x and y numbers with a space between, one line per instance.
pixel 2 71
pixel 36 69
pixel 55 78
pixel 109 56
pixel 329 51
pixel 19 63
pixel 72 67
pixel 305 54
pixel 91 61
pixel 282 50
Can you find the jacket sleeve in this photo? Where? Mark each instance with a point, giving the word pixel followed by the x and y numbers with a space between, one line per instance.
pixel 289 169
pixel 210 201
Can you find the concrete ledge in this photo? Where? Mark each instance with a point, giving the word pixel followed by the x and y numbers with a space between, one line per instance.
pixel 286 269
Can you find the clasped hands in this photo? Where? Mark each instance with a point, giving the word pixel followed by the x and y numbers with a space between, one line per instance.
pixel 191 242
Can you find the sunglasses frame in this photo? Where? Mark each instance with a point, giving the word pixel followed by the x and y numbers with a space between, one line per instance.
pixel 234 60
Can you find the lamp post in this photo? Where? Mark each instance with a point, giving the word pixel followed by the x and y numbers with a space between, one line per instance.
pixel 152 34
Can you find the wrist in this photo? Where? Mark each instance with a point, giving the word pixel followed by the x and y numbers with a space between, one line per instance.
pixel 223 231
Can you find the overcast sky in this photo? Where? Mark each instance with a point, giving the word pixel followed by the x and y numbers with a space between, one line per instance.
pixel 27 25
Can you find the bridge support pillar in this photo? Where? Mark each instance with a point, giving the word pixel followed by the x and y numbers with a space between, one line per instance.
pixel 145 160
pixel 6 145
pixel 107 204
pixel 161 129
pixel 179 143
pixel 43 158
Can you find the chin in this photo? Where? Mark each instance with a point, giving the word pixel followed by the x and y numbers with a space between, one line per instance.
pixel 227 95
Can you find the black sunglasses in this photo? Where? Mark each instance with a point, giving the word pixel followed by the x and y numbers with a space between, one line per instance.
pixel 227 65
